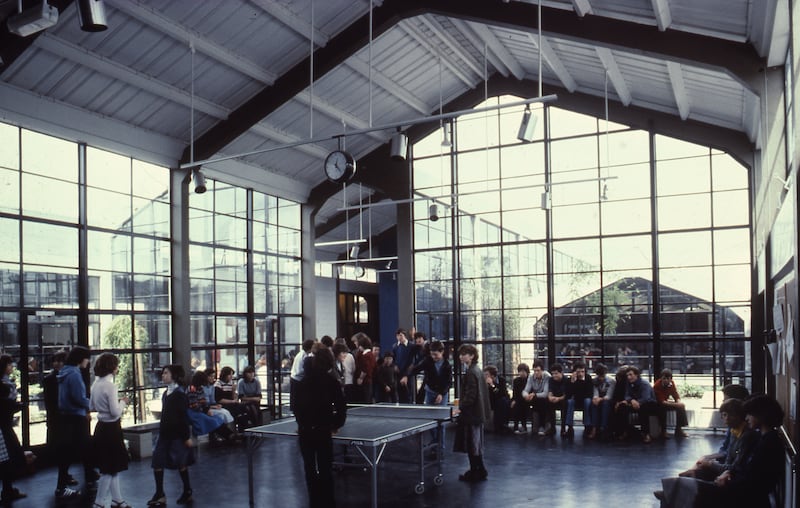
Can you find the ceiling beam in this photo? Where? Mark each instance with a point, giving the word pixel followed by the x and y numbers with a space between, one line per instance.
pixel 301 26
pixel 554 62
pixel 268 131
pixel 337 114
pixel 154 19
pixel 385 82
pixel 340 47
pixel 739 58
pixel 663 14
pixel 679 89
pixel 434 49
pixel 582 7
pixel 453 45
pixel 614 74
pixel 485 35
pixel 751 116
pixel 113 69
pixel 12 45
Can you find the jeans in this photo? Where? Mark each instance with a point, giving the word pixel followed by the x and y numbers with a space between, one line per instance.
pixel 570 417
pixel 599 414
pixel 430 398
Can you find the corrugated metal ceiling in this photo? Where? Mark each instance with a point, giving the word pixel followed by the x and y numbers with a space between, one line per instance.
pixel 138 80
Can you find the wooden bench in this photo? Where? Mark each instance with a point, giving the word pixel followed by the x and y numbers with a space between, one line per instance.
pixel 141 437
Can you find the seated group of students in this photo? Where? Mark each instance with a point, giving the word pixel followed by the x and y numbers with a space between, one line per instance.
pixel 216 403
pixel 747 467
pixel 606 402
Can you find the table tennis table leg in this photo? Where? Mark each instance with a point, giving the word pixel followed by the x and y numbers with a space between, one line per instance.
pixel 374 475
pixel 250 470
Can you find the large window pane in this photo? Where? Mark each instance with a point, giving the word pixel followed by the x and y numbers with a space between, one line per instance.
pixel 576 220
pixel 625 216
pixel 63 206
pixel 684 212
pixel 110 210
pixel 46 244
pixel 106 170
pixel 728 209
pixel 46 155
pixel 684 249
pixel 9 191
pixel 626 252
pixel 9 140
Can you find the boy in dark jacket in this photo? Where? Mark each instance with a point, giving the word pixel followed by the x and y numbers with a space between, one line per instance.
pixel 320 411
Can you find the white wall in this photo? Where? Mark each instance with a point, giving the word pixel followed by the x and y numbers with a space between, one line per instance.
pixel 326 306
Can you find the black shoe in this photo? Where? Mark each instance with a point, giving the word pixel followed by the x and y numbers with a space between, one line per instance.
pixel 469 476
pixel 481 475
pixel 185 497
pixel 12 495
pixel 659 495
pixel 158 499
pixel 67 493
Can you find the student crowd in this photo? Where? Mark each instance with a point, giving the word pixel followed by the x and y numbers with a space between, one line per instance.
pixel 328 374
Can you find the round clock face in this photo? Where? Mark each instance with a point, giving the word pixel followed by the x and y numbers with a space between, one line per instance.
pixel 339 166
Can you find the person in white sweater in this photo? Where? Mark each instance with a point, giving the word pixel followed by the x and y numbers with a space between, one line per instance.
pixel 110 454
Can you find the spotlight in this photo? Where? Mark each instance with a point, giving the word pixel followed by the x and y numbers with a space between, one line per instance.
pixel 32 20
pixel 547 201
pixel 526 126
pixel 399 147
pixel 445 138
pixel 604 195
pixel 92 15
pixel 354 250
pixel 389 265
pixel 433 212
pixel 199 181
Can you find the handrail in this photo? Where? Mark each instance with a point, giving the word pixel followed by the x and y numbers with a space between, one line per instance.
pixel 787 442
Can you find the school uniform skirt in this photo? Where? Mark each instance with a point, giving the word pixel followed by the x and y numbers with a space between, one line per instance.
pixel 171 453
pixel 110 454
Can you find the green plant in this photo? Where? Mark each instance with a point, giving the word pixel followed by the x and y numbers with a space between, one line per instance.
pixel 691 391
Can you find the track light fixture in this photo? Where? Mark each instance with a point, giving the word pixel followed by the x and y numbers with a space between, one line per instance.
pixel 433 212
pixel 445 138
pixel 354 250
pixel 398 147
pixel 526 126
pixel 92 15
pixel 199 181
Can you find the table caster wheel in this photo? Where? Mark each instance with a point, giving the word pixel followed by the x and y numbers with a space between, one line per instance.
pixel 419 488
pixel 438 480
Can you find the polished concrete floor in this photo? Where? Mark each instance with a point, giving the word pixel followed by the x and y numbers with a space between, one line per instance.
pixel 523 471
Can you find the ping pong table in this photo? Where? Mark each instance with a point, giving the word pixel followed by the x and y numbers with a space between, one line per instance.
pixel 368 430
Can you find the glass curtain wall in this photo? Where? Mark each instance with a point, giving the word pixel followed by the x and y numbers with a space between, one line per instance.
pixel 594 241
pixel 246 282
pixel 86 250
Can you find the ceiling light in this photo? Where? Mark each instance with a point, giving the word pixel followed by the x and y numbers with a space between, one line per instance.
pixel 32 20
pixel 354 250
pixel 199 181
pixel 433 212
pixel 526 126
pixel 445 138
pixel 92 15
pixel 399 147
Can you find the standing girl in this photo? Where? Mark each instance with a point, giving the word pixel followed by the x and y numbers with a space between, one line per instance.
pixel 174 446
pixel 110 454
pixel 12 459
pixel 473 414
